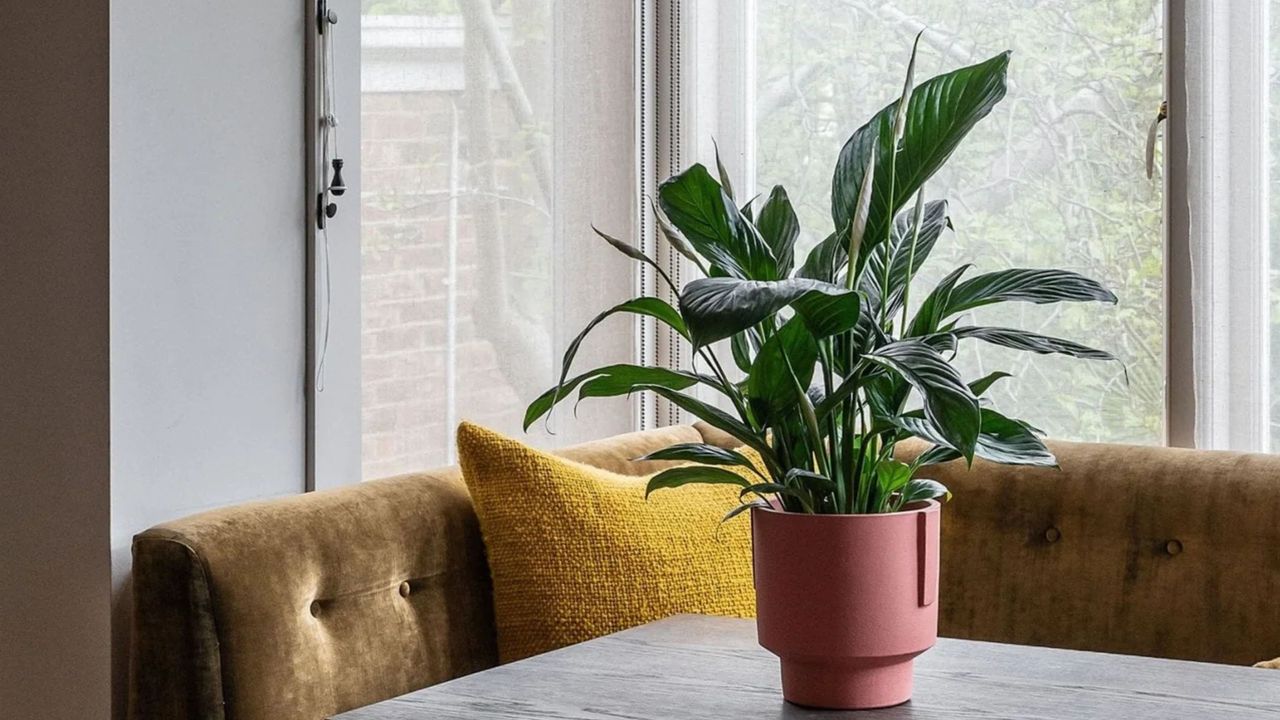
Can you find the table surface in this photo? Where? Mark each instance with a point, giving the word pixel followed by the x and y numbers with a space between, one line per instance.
pixel 694 667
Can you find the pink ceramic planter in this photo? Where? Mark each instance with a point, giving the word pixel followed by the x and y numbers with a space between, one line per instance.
pixel 847 602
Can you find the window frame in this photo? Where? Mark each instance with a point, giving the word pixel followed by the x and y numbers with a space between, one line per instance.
pixel 1217 317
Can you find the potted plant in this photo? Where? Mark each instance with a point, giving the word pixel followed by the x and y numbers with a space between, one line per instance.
pixel 837 363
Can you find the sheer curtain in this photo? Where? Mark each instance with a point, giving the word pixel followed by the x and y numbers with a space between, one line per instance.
pixel 494 134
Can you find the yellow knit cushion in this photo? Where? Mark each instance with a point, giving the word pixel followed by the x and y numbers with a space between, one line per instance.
pixel 577 552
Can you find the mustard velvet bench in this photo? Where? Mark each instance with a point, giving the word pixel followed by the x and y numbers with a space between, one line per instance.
pixel 310 605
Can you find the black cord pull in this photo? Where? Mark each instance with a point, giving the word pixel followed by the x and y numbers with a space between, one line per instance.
pixel 337 186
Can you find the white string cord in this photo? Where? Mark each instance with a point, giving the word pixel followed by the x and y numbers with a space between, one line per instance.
pixel 328 136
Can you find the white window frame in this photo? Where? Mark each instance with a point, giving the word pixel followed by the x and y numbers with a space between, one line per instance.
pixel 1217 235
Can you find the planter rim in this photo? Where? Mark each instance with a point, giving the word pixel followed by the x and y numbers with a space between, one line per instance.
pixel 924 506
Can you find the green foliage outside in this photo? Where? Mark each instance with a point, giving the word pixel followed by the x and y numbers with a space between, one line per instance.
pixel 1054 177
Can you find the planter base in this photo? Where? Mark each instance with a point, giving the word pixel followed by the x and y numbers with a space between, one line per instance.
pixel 860 684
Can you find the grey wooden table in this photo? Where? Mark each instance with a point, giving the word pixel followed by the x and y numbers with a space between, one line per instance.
pixel 700 667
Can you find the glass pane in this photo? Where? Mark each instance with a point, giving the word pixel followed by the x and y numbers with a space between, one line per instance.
pixel 1053 178
pixel 479 188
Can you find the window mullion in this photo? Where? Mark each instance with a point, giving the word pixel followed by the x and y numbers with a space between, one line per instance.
pixel 1225 111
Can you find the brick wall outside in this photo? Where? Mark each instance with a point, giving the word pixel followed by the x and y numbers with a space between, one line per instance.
pixel 405 149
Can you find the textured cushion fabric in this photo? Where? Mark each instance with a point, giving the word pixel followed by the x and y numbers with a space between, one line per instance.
pixel 1140 550
pixel 299 608
pixel 303 606
pixel 577 552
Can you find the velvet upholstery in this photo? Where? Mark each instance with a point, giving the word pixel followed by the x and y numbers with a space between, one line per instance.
pixel 1140 550
pixel 305 606
pixel 301 607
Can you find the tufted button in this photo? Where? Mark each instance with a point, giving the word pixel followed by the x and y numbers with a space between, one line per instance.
pixel 1173 547
pixel 1052 535
pixel 315 608
pixel 405 589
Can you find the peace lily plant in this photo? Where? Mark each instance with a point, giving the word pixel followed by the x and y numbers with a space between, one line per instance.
pixel 839 361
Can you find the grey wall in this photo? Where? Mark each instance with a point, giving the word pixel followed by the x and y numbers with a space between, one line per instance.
pixel 54 470
pixel 207 263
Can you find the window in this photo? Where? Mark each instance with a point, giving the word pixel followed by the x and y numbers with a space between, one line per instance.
pixel 1054 177
pixel 494 134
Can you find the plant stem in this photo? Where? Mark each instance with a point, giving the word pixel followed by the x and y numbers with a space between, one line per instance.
pixel 888 231
pixel 860 460
pixel 911 256
pixel 729 389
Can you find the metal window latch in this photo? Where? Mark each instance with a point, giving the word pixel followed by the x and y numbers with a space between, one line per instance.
pixel 1151 138
pixel 324 15
pixel 334 185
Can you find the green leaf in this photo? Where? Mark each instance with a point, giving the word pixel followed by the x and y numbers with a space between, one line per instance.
pixel 650 306
pixel 743 508
pixel 717 308
pixel 691 474
pixel 936 455
pixel 847 387
pixel 1031 342
pixel 921 489
pixel 778 489
pixel 771 381
pixel 1002 440
pixel 1033 285
pixel 934 308
pixel 703 454
pixel 932 222
pixel 941 112
pixel 891 476
pixel 1011 442
pixel 826 313
pixel 674 379
pixel 615 380
pixel 826 259
pixel 744 346
pixel 810 481
pixel 780 227
pixel 724 174
pixel 886 393
pixel 948 403
pixel 718 419
pixel 764 488
pixel 984 383
pixel 697 205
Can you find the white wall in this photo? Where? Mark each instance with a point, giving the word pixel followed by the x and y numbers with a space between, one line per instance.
pixel 208 251
pixel 54 471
